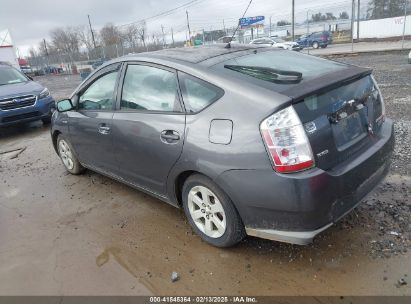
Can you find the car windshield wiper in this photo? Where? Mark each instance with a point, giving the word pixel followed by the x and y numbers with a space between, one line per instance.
pixel 267 74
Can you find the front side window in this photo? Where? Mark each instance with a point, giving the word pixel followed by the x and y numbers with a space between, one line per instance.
pixel 100 94
pixel 197 93
pixel 148 88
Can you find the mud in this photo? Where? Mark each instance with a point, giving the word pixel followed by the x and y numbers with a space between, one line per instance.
pixel 89 235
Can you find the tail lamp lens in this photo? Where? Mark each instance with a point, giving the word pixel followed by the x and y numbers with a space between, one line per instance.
pixel 286 141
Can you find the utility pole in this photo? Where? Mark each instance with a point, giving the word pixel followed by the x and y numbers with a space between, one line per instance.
pixel 188 26
pixel 358 21
pixel 293 19
pixel 172 36
pixel 405 19
pixel 47 52
pixel 164 41
pixel 91 30
pixel 308 30
pixel 270 27
pixel 352 25
pixel 45 47
pixel 203 37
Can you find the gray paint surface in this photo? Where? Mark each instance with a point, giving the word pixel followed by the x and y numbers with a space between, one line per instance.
pixel 135 153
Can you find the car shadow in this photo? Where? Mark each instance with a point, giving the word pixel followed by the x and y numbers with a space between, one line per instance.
pixel 22 130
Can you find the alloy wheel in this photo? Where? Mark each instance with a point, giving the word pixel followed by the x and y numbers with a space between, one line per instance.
pixel 207 211
pixel 66 154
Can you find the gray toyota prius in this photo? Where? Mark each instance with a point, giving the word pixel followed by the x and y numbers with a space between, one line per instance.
pixel 247 140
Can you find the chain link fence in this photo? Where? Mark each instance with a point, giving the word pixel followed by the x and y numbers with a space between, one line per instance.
pixel 346 21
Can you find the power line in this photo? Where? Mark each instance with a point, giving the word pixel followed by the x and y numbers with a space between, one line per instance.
pixel 165 13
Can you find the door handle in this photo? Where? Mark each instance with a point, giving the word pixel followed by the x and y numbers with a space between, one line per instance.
pixel 169 136
pixel 102 129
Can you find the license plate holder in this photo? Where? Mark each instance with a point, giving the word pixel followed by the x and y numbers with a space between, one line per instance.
pixel 349 131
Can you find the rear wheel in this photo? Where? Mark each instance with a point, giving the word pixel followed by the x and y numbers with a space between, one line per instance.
pixel 67 156
pixel 211 213
pixel 315 45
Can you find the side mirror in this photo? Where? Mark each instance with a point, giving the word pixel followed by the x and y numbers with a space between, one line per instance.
pixel 64 105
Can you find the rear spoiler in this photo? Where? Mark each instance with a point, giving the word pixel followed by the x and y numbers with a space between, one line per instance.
pixel 326 82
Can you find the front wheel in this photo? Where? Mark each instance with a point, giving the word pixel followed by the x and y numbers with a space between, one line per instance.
pixel 211 213
pixel 46 120
pixel 68 157
pixel 315 45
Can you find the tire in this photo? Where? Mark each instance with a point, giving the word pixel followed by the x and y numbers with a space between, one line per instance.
pixel 315 45
pixel 214 219
pixel 67 156
pixel 47 120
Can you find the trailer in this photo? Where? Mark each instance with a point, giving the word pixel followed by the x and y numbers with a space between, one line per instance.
pixel 7 50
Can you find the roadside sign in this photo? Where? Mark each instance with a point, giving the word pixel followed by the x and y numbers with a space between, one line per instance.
pixel 252 22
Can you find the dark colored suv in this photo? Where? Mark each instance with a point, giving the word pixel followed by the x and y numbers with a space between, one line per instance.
pixel 315 40
pixel 21 99
pixel 247 140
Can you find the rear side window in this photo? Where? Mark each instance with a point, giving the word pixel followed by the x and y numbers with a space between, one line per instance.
pixel 148 88
pixel 197 93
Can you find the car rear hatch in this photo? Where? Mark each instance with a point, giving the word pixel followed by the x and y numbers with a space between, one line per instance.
pixel 342 119
pixel 339 105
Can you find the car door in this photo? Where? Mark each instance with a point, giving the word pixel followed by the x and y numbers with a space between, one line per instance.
pixel 90 125
pixel 148 126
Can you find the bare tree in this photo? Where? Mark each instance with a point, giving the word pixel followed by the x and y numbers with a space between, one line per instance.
pixel 142 32
pixel 110 35
pixel 130 35
pixel 45 49
pixel 32 52
pixel 65 40
pixel 85 37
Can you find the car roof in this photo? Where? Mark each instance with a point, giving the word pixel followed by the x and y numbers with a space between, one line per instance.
pixel 195 54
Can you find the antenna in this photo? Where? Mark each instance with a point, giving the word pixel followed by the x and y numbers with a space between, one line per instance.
pixel 229 43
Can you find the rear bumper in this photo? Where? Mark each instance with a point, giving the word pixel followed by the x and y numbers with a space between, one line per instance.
pixel 41 109
pixel 296 207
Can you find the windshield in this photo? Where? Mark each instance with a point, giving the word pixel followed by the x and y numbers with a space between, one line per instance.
pixel 9 75
pixel 308 66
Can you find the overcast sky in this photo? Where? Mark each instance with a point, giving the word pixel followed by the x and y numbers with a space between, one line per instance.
pixel 30 21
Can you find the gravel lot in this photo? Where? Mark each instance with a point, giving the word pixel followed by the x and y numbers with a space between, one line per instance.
pixel 73 235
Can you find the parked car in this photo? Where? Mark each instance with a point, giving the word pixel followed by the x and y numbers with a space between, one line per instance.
pixel 247 140
pixel 26 69
pixel 99 62
pixel 315 40
pixel 227 39
pixel 21 99
pixel 278 43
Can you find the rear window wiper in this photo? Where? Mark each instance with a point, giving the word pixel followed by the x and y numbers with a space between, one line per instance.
pixel 268 74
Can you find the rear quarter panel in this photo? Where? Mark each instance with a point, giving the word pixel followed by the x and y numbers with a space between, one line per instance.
pixel 246 105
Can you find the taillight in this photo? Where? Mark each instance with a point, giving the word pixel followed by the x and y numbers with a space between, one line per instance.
pixel 286 141
pixel 382 116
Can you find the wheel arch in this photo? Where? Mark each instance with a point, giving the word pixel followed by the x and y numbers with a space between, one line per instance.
pixel 54 137
pixel 179 183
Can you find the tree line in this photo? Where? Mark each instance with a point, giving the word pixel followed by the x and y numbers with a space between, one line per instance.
pixel 73 41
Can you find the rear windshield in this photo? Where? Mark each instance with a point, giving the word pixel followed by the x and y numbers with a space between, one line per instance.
pixel 309 66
